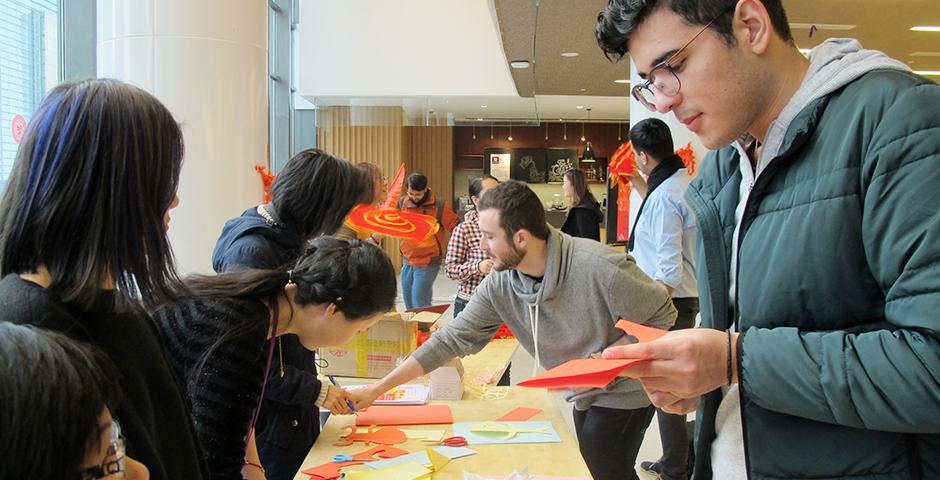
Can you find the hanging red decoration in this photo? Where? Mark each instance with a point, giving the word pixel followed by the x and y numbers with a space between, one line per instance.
pixel 688 158
pixel 267 179
pixel 622 166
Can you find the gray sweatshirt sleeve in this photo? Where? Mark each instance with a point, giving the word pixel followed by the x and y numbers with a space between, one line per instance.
pixel 634 296
pixel 467 334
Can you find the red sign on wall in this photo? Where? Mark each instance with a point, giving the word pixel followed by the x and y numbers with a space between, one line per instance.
pixel 19 128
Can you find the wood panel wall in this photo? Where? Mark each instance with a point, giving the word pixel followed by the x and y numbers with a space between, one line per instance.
pixel 378 135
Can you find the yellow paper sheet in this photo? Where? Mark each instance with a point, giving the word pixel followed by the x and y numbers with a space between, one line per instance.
pixel 405 471
pixel 429 435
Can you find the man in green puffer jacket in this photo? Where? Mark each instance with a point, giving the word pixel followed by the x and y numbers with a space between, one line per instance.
pixel 819 230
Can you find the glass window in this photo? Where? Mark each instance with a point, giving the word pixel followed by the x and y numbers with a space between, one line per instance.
pixel 29 67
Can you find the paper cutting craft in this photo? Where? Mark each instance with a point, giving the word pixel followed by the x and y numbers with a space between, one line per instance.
pixel 520 414
pixel 437 460
pixel 405 415
pixel 405 471
pixel 422 458
pixel 482 433
pixel 383 451
pixel 392 223
pixel 404 395
pixel 580 373
pixel 384 436
pixel 641 332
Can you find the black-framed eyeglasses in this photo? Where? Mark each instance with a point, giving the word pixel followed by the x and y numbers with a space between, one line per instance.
pixel 663 77
pixel 113 463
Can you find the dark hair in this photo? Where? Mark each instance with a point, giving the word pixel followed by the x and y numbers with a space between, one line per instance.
pixel 375 175
pixel 581 191
pixel 315 192
pixel 476 185
pixel 617 22
pixel 652 136
pixel 417 181
pixel 519 208
pixel 94 176
pixel 54 391
pixel 355 275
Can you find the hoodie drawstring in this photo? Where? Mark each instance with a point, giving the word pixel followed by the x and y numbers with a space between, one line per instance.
pixel 534 326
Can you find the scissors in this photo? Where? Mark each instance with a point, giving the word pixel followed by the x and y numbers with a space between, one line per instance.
pixel 454 442
pixel 342 458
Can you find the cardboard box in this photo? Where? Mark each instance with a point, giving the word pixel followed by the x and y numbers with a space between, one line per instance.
pixel 375 352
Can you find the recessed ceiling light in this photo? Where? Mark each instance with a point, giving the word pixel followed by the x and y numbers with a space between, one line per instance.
pixel 583 89
pixel 621 80
pixel 926 28
pixel 821 26
pixel 927 72
pixel 482 106
pixel 580 106
pixel 519 64
pixel 570 54
pixel 560 120
pixel 479 119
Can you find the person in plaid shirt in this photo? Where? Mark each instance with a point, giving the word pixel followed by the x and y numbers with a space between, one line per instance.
pixel 465 262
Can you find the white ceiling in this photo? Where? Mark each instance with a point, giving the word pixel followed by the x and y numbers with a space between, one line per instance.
pixel 441 60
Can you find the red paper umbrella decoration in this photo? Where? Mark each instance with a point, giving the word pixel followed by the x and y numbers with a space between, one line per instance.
pixel 393 223
pixel 622 164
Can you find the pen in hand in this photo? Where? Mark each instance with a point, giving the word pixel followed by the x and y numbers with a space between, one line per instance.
pixel 348 401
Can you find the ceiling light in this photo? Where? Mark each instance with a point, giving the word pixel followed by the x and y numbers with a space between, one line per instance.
pixel 927 72
pixel 479 119
pixel 510 130
pixel 482 106
pixel 621 80
pixel 519 64
pixel 569 54
pixel 926 28
pixel 565 126
pixel 474 132
pixel 821 26
pixel 546 130
pixel 580 107
pixel 583 89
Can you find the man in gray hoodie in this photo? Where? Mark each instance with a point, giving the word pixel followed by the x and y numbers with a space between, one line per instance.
pixel 818 216
pixel 560 296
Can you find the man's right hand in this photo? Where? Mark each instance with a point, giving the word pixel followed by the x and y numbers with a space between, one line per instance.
pixel 485 266
pixel 363 397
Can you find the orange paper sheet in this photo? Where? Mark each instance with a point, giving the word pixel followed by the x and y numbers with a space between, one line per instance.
pixel 328 471
pixel 580 373
pixel 405 415
pixel 640 332
pixel 520 414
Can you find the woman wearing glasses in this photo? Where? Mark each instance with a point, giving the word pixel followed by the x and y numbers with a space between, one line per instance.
pixel 43 435
pixel 84 250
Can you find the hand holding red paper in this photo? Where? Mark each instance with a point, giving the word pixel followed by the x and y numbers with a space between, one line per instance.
pixel 683 364
pixel 593 372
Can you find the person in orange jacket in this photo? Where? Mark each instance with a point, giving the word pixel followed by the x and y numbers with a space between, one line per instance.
pixel 422 260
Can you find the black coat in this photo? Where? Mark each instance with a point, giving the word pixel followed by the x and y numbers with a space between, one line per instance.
pixel 584 220
pixel 154 416
pixel 289 422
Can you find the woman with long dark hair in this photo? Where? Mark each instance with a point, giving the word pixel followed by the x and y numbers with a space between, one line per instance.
pixel 311 197
pixel 220 336
pixel 55 408
pixel 83 249
pixel 584 217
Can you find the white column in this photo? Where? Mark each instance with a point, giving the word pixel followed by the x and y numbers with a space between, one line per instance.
pixel 206 60
pixel 681 135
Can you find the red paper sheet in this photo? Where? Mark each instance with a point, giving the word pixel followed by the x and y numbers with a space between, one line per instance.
pixel 327 471
pixel 582 372
pixel 640 332
pixel 405 415
pixel 520 414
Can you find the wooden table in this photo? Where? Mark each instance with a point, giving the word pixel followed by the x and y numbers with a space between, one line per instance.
pixel 562 459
